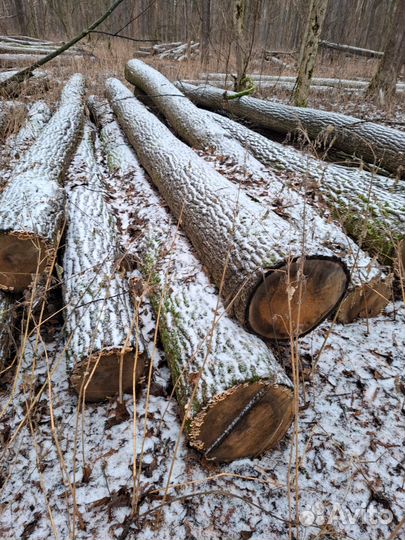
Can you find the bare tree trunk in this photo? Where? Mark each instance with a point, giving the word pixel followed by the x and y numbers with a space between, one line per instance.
pixel 383 83
pixel 245 18
pixel 309 51
pixel 205 32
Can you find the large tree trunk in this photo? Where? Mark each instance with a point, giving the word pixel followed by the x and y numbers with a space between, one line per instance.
pixel 226 380
pixel 371 142
pixel 383 83
pixel 31 206
pixel 252 253
pixel 105 353
pixel 357 51
pixel 309 51
pixel 198 128
pixel 369 206
pixel 205 32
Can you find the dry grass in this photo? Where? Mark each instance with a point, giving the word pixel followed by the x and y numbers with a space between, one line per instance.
pixel 110 59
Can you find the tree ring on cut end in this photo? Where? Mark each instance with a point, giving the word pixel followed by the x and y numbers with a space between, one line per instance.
pixel 295 297
pixel 243 422
pixel 22 256
pixel 98 376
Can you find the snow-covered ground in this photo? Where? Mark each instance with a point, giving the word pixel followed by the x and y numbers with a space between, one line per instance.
pixel 70 474
pixel 339 473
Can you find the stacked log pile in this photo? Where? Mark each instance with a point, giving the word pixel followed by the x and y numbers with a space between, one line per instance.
pixel 105 353
pixel 254 256
pixel 172 51
pixel 378 145
pixel 227 381
pixel 31 206
pixel 368 293
pixel 26 45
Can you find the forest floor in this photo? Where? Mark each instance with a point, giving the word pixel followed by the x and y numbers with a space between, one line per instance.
pixel 339 473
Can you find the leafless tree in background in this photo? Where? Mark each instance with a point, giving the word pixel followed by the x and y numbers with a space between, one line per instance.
pixel 205 32
pixel 383 84
pixel 245 16
pixel 309 50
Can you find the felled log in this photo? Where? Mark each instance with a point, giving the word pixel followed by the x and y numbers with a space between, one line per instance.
pixel 37 82
pixel 31 206
pixel 278 79
pixel 367 205
pixel 105 354
pixel 252 253
pixel 349 49
pixel 15 48
pixel 371 207
pixel 38 116
pixel 26 40
pixel 7 329
pixel 12 60
pixel 371 142
pixel 227 382
pixel 199 129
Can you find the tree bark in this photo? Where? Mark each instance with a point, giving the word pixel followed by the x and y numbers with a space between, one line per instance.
pixel 105 353
pixel 39 82
pixel 383 84
pixel 205 33
pixel 38 116
pixel 31 206
pixel 369 141
pixel 226 379
pixel 309 51
pixel 15 146
pixel 197 127
pixel 252 253
pixel 378 223
pixel 357 51
pixel 13 60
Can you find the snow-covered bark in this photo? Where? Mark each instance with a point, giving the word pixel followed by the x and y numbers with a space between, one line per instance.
pixel 200 130
pixel 371 207
pixel 104 350
pixel 256 257
pixel 32 205
pixel 7 333
pixel 38 75
pixel 217 368
pixel 37 117
pixel 372 142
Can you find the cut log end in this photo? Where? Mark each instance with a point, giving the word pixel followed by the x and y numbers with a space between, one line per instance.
pixel 21 258
pixel 243 422
pixel 294 298
pixel 98 377
pixel 365 302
